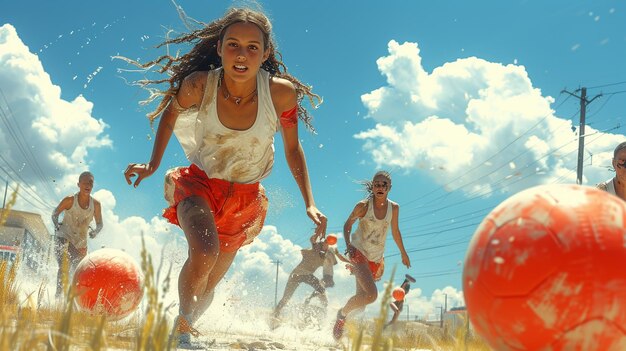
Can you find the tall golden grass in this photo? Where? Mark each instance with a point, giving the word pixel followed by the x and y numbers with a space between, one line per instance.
pixel 371 335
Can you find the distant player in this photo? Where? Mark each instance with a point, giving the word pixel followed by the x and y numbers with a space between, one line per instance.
pixel 319 255
pixel 617 184
pixel 71 233
pixel 397 306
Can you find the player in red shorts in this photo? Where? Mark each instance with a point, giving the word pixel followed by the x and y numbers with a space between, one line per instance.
pixel 227 98
pixel 366 246
pixel 396 306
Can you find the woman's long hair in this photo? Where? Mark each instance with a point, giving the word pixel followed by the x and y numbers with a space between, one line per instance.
pixel 203 57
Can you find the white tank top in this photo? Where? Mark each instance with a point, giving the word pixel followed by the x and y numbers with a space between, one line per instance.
pixel 241 156
pixel 371 233
pixel 608 186
pixel 75 224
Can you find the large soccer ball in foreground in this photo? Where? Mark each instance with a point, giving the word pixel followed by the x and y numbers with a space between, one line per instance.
pixel 108 281
pixel 546 270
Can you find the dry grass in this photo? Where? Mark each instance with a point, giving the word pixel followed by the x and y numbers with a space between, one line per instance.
pixel 370 335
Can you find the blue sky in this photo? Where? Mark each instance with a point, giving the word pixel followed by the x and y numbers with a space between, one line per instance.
pixel 460 100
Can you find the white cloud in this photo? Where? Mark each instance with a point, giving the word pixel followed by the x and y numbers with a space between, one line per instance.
pixel 45 139
pixel 468 121
pixel 427 308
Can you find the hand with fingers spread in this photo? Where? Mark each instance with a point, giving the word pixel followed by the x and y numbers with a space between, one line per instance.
pixel 141 170
pixel 320 221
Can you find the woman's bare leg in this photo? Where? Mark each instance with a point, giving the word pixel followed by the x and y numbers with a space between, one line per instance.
pixel 196 220
pixel 366 291
pixel 223 263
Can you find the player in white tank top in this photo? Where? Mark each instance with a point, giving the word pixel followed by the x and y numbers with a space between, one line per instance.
pixel 71 233
pixel 241 43
pixel 366 246
pixel 371 232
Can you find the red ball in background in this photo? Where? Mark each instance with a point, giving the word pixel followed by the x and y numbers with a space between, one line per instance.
pixel 108 281
pixel 331 239
pixel 545 271
pixel 398 294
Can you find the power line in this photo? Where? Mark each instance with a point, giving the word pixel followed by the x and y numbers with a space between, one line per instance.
pixel 20 141
pixel 479 195
pixel 601 107
pixel 19 194
pixel 480 192
pixel 480 164
pixel 453 243
pixel 441 231
pixel 441 197
pixel 27 187
pixel 454 220
pixel 606 85
pixel 447 244
pixel 616 92
pixel 478 178
pixel 426 258
pixel 472 224
pixel 426 275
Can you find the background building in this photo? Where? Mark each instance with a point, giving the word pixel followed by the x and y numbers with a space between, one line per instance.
pixel 25 234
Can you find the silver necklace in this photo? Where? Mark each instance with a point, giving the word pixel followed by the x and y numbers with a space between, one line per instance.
pixel 236 99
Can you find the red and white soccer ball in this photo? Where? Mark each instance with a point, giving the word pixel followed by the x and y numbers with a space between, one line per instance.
pixel 545 270
pixel 108 281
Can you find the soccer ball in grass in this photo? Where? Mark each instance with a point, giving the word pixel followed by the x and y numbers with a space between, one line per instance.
pixel 398 294
pixel 545 271
pixel 108 281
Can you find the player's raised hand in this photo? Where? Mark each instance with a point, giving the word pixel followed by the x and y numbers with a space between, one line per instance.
pixel 140 170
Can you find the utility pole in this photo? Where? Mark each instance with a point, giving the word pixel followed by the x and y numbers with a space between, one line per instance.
pixel 445 309
pixel 277 262
pixel 581 130
pixel 440 316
